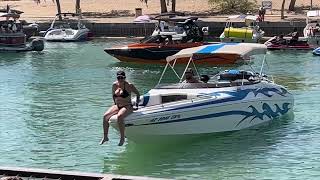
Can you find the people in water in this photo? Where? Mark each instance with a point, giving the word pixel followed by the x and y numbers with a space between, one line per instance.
pixel 121 93
pixel 189 75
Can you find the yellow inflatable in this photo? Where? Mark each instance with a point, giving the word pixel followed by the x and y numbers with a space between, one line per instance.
pixel 238 33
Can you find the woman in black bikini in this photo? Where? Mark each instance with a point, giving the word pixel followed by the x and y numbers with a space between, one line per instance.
pixel 121 93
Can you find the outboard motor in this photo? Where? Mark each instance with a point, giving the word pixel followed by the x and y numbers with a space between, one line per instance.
pixel 37 44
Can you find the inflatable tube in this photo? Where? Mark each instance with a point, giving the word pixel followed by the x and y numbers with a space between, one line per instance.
pixel 238 33
pixel 316 51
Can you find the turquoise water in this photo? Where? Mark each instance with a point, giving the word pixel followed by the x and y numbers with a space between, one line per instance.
pixel 51 105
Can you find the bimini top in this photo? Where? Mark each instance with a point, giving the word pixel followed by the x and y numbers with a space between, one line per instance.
pixel 241 49
pixel 315 13
pixel 10 15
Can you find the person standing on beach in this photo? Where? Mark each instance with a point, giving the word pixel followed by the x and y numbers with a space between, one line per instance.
pixel 261 12
pixel 121 93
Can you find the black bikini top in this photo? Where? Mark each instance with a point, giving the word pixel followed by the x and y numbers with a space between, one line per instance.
pixel 124 93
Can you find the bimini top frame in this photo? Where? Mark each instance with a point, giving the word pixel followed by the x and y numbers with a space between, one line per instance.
pixel 244 50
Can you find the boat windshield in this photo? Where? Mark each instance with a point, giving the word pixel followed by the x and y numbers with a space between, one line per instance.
pixel 68 20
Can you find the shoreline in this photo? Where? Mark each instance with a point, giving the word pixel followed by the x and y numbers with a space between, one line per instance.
pixel 145 29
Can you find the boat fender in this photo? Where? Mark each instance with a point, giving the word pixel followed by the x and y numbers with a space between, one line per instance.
pixel 37 44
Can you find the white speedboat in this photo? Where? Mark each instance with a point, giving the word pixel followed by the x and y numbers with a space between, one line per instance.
pixel 232 100
pixel 62 31
pixel 250 33
pixel 312 30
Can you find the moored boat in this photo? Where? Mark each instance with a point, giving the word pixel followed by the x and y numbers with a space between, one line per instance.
pixel 169 37
pixel 231 100
pixel 65 30
pixel 12 37
pixel 250 33
pixel 286 43
pixel 312 30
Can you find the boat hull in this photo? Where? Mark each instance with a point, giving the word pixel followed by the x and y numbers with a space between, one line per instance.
pixel 12 39
pixel 68 35
pixel 147 53
pixel 34 45
pixel 234 111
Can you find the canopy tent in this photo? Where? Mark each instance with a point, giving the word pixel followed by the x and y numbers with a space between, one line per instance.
pixel 241 49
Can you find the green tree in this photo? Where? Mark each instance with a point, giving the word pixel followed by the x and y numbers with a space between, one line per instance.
pixel 234 6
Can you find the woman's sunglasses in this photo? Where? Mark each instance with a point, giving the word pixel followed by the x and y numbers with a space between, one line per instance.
pixel 121 77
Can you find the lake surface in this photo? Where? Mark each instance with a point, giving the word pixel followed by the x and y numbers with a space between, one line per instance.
pixel 51 107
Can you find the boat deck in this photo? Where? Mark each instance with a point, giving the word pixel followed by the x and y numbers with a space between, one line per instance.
pixel 15 173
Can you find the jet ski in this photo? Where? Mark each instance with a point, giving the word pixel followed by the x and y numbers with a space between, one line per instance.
pixel 277 43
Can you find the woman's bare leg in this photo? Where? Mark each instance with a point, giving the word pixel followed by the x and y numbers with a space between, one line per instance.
pixel 107 115
pixel 123 112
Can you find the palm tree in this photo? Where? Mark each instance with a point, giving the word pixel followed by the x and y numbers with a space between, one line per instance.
pixel 163 5
pixel 77 6
pixel 282 9
pixel 292 4
pixel 58 6
pixel 173 6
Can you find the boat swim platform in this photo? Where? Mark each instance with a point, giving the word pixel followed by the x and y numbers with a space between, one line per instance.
pixel 18 173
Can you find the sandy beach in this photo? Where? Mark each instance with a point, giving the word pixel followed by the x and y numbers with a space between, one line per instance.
pixel 47 9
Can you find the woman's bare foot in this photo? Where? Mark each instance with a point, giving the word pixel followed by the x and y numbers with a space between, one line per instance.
pixel 103 140
pixel 121 142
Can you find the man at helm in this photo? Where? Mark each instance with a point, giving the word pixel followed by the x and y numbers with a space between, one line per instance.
pixel 189 75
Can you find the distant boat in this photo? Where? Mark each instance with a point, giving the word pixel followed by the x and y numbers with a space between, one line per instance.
pixel 12 37
pixel 28 29
pixel 251 33
pixel 312 30
pixel 64 31
pixel 171 35
pixel 287 44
